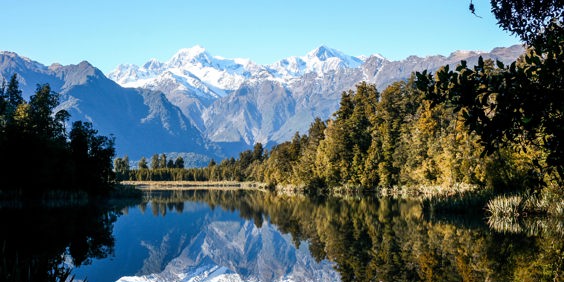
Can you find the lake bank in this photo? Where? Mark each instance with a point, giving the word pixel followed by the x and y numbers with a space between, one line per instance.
pixel 195 185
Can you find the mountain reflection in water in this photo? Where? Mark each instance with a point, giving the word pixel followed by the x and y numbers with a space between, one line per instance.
pixel 260 236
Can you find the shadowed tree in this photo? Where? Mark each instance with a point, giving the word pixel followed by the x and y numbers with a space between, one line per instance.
pixel 13 96
pixel 179 162
pixel 142 163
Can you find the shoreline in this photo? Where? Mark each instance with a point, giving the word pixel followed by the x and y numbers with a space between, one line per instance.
pixel 195 185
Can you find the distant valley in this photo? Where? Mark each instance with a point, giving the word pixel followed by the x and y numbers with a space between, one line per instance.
pixel 202 106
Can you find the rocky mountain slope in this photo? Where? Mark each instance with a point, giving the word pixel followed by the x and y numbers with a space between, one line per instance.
pixel 238 103
pixel 213 106
pixel 143 121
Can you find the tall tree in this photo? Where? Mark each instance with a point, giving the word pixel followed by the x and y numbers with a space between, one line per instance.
pixel 41 106
pixel 92 156
pixel 258 152
pixel 305 171
pixel 142 163
pixel 170 164
pixel 13 96
pixel 155 163
pixel 3 101
pixel 162 161
pixel 179 162
pixel 518 106
pixel 121 167
pixel 537 22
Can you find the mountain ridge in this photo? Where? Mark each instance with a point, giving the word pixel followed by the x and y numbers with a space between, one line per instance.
pixel 198 103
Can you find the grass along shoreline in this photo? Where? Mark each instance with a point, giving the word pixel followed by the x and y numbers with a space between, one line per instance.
pixel 193 185
pixel 458 198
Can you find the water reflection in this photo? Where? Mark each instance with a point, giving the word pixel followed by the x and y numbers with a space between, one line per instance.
pixel 199 235
pixel 242 235
pixel 372 239
pixel 44 242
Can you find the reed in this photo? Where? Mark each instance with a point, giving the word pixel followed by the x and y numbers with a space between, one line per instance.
pixel 505 206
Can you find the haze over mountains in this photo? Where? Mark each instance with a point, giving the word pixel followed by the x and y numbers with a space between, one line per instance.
pixel 216 107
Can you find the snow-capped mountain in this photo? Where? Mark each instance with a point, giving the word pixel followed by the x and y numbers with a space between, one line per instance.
pixel 237 251
pixel 191 66
pixel 319 61
pixel 192 79
pixel 144 122
pixel 196 102
pixel 272 109
pixel 237 103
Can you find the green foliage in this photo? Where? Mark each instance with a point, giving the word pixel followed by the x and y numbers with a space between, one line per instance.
pixel 536 22
pixel 162 161
pixel 33 139
pixel 121 168
pixel 92 155
pixel 12 97
pixel 493 126
pixel 517 107
pixel 155 163
pixel 229 169
pixel 142 163
pixel 179 162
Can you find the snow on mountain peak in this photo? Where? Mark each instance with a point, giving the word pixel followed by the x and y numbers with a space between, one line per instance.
pixel 189 73
pixel 320 61
pixel 323 53
pixel 191 52
pixel 153 64
pixel 199 74
pixel 190 56
pixel 229 74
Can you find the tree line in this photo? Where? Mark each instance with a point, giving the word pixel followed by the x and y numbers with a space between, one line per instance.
pixel 399 137
pixel 39 153
pixel 491 125
pixel 161 169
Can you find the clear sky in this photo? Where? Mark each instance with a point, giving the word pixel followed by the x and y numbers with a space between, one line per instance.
pixel 110 32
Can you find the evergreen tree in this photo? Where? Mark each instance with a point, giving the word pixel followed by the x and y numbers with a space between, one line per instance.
pixel 142 163
pixel 155 163
pixel 41 106
pixel 258 152
pixel 13 96
pixel 122 169
pixel 31 133
pixel 305 170
pixel 162 161
pixel 170 164
pixel 3 102
pixel 179 162
pixel 92 155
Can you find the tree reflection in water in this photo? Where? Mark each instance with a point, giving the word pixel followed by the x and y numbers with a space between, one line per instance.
pixel 373 239
pixel 369 239
pixel 41 243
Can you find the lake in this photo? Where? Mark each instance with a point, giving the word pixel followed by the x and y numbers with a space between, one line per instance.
pixel 244 235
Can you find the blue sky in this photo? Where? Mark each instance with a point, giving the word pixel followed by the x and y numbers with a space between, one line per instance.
pixel 109 32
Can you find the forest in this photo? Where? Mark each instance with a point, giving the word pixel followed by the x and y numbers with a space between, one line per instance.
pixel 39 154
pixel 491 128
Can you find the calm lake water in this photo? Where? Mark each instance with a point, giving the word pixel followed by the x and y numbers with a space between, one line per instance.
pixel 259 236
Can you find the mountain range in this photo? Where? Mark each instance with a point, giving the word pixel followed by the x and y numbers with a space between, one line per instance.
pixel 202 106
